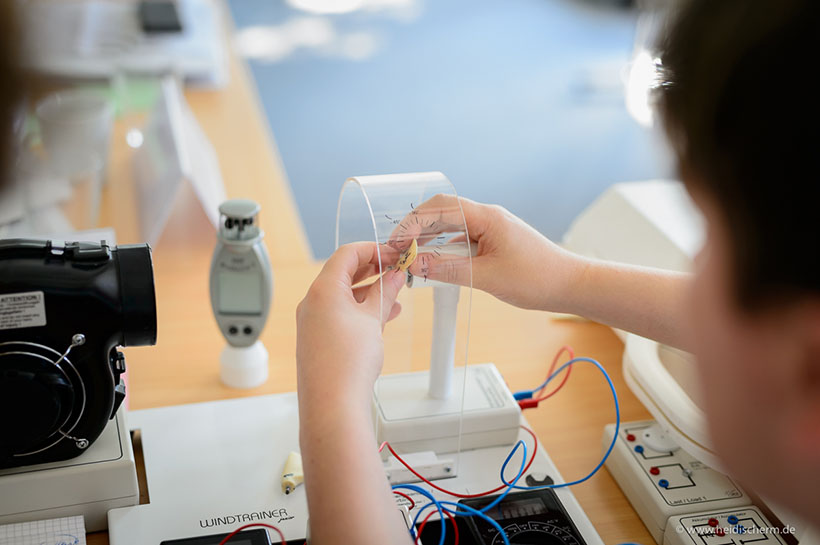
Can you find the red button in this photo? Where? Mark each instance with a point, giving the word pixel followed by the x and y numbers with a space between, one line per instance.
pixel 630 437
pixel 720 532
pixel 654 470
pixel 713 522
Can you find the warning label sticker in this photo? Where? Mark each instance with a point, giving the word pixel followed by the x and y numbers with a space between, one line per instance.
pixel 26 309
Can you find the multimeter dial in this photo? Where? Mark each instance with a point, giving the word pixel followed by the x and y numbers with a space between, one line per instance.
pixel 536 532
pixel 534 516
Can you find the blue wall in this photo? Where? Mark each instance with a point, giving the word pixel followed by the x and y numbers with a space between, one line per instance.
pixel 518 102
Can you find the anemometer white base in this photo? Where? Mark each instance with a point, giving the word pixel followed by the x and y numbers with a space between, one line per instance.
pixel 245 367
pixel 411 420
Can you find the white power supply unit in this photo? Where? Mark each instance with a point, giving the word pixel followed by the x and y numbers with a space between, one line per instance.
pixel 661 480
pixel 731 526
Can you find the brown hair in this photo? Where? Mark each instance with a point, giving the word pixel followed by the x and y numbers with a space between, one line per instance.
pixel 11 90
pixel 743 117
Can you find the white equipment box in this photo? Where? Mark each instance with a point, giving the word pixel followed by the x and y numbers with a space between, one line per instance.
pixel 729 527
pixel 103 477
pixel 661 480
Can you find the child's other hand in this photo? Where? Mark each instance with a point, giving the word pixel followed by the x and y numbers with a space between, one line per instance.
pixel 514 262
pixel 339 348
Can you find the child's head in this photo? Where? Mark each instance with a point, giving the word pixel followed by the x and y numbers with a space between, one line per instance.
pixel 742 114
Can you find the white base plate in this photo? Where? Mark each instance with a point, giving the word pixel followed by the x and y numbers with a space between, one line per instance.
pixel 214 466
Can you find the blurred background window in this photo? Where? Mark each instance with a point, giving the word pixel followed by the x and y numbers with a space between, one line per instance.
pixel 519 102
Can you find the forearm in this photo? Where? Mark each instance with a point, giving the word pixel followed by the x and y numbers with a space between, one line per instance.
pixel 349 499
pixel 648 302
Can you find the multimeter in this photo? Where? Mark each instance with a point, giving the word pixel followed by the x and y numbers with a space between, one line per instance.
pixel 241 278
pixel 530 517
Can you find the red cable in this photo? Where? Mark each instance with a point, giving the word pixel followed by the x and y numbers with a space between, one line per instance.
pixel 571 353
pixel 414 472
pixel 552 393
pixel 527 404
pixel 430 514
pixel 405 496
pixel 278 531
pixel 533 402
pixel 456 494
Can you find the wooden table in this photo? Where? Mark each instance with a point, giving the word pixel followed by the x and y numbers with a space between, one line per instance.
pixel 183 367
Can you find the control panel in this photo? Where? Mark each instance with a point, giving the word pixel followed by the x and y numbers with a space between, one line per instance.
pixel 731 527
pixel 661 480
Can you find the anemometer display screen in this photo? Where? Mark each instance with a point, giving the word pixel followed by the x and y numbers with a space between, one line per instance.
pixel 240 292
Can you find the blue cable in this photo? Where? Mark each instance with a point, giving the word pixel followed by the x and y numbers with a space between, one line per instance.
pixel 527 394
pixel 424 508
pixel 433 501
pixel 501 496
pixel 469 511
pixel 611 445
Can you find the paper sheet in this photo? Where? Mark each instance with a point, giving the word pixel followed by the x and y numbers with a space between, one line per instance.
pixel 62 531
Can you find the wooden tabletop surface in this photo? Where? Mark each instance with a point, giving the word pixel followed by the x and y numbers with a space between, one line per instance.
pixel 183 367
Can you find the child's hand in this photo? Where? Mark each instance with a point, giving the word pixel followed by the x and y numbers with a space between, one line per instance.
pixel 514 262
pixel 339 352
pixel 339 349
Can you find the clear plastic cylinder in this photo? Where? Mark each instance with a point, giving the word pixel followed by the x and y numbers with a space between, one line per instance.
pixel 423 376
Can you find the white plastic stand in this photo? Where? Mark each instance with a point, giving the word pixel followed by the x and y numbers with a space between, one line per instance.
pixel 405 415
pixel 443 349
pixel 244 367
pixel 417 413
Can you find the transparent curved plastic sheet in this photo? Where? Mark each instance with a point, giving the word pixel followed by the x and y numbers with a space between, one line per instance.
pixel 414 222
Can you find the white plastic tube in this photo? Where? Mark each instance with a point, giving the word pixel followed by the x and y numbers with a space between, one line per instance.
pixel 443 348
